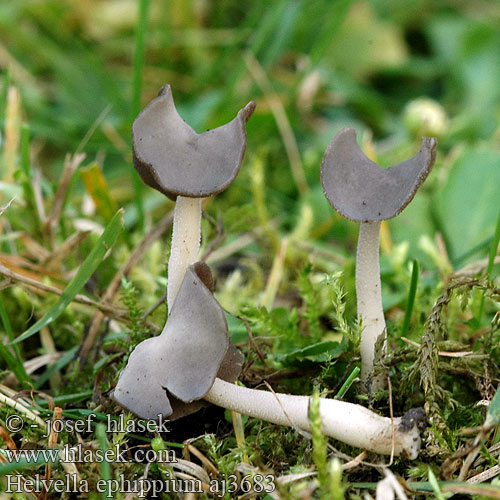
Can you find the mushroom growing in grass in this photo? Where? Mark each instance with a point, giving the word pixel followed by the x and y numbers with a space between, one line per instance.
pixel 193 348
pixel 187 167
pixel 364 192
pixel 187 361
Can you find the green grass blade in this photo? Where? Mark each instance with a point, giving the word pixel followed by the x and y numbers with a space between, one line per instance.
pixel 493 415
pixel 348 382
pixel 411 298
pixel 267 25
pixel 480 247
pixel 494 247
pixel 66 398
pixel 140 36
pixel 15 366
pixel 86 270
pixel 27 185
pixel 491 262
pixel 8 467
pixel 104 466
pixel 60 363
pixel 3 94
pixel 8 328
pixel 25 150
pixel 14 363
pixel 332 21
pixel 435 485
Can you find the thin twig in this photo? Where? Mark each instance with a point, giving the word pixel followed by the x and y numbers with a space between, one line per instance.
pixel 53 260
pixel 252 340
pixel 107 309
pixel 275 276
pixel 155 306
pixel 93 128
pixel 52 443
pixel 355 461
pixel 448 354
pixel 231 248
pixel 485 475
pixel 219 238
pixel 37 192
pixel 7 206
pixel 303 433
pixel 469 459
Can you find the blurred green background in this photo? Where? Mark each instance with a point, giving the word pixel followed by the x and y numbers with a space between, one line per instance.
pixel 312 66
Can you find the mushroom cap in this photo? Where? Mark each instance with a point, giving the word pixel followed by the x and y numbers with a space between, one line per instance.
pixel 229 371
pixel 196 339
pixel 183 361
pixel 139 388
pixel 172 158
pixel 363 191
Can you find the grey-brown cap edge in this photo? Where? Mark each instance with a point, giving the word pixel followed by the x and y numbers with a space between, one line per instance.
pixel 429 144
pixel 147 172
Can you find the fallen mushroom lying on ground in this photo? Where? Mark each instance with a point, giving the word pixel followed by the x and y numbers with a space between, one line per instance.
pixel 166 374
pixel 193 348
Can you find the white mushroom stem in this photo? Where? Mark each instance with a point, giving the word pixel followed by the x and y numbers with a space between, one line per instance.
pixel 347 422
pixel 369 293
pixel 186 236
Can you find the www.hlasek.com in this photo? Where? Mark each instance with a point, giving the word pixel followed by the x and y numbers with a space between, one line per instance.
pixel 83 454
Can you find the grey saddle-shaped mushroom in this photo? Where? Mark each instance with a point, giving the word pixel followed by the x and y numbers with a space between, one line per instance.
pixel 361 190
pixel 364 192
pixel 172 158
pixel 187 167
pixel 186 357
pixel 184 360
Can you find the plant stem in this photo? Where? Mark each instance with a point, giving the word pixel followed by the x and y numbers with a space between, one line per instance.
pixel 369 293
pixel 347 383
pixel 350 423
pixel 186 236
pixel 411 298
pixel 491 261
pixel 140 36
